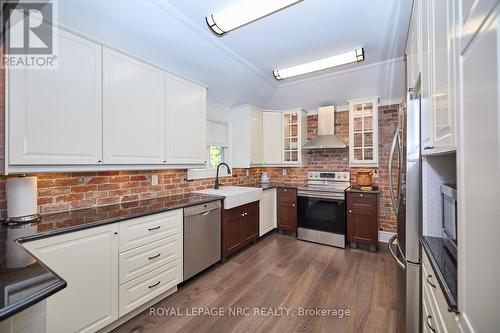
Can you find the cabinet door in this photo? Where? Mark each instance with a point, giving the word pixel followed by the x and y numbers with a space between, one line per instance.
pixel 287 216
pixel 186 122
pixel 427 76
pixel 361 227
pixel 272 137
pixel 88 261
pixel 54 115
pixel 478 179
pixel 250 223
pixel 134 111
pixel 443 115
pixel 256 137
pixel 267 211
pixel 231 232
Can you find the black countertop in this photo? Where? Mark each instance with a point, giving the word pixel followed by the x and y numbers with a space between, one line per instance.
pixel 24 280
pixel 444 266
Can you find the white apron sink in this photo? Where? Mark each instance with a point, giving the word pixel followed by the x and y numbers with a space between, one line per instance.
pixel 235 196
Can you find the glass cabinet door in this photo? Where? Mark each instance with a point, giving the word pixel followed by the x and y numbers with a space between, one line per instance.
pixel 291 137
pixel 363 132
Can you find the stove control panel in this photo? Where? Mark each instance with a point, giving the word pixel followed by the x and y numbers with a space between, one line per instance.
pixel 328 175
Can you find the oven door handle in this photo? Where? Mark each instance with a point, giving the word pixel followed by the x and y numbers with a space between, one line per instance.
pixel 321 196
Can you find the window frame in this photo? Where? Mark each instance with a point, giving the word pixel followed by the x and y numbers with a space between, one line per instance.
pixel 207 172
pixel 374 162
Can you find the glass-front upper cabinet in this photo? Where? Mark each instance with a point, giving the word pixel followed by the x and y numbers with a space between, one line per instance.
pixel 363 132
pixel 291 137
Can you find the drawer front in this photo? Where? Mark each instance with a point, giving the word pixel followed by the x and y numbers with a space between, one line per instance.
pixel 146 258
pixel 362 201
pixel 145 288
pixel 445 320
pixel 147 229
pixel 287 194
pixel 429 317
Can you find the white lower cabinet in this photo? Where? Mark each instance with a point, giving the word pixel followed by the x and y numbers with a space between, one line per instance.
pixel 88 261
pixel 435 314
pixel 138 291
pixel 111 270
pixel 267 212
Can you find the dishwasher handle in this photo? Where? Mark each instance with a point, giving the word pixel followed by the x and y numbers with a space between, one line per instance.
pixel 203 209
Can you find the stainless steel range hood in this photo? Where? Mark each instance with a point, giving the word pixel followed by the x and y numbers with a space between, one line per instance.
pixel 326 138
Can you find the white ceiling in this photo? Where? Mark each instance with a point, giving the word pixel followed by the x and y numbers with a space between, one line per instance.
pixel 313 29
pixel 237 68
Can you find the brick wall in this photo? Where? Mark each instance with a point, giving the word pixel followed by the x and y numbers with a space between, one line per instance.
pixel 338 159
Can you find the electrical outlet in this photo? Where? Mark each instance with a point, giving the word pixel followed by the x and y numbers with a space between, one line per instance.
pixel 283 172
pixel 248 173
pixel 154 179
pixel 375 173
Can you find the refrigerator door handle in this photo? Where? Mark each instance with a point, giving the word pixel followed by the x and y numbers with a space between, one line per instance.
pixel 395 142
pixel 393 253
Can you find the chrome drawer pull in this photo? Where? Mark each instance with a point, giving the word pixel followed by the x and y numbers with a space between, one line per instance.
pixel 154 257
pixel 154 285
pixel 428 324
pixel 153 229
pixel 429 277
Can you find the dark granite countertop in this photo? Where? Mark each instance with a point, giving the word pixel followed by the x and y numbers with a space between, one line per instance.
pixel 444 266
pixel 24 280
pixel 358 189
pixel 268 186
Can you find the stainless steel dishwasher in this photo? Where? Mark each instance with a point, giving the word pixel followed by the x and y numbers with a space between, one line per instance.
pixel 202 237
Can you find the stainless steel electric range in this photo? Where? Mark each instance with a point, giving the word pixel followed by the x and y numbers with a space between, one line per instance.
pixel 322 209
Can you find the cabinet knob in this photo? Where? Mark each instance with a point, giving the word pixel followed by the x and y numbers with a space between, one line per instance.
pixel 350 211
pixel 293 205
pixel 361 195
pixel 242 214
pixel 285 190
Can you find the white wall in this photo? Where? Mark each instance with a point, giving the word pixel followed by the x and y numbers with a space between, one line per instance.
pixel 385 79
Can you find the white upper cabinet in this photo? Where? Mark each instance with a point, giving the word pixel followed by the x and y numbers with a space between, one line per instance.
pixel 443 115
pixel 272 137
pixel 439 75
pixel 134 111
pixel 256 135
pixel 246 136
pixel 54 115
pixel 363 132
pixel 294 136
pixel 186 121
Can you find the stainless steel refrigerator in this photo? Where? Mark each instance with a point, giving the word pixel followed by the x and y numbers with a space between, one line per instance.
pixel 405 182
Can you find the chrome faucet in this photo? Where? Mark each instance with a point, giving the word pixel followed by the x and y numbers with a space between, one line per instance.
pixel 217 182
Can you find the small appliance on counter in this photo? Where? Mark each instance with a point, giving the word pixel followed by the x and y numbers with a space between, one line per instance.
pixel 265 178
pixel 364 179
pixel 22 193
pixel 449 218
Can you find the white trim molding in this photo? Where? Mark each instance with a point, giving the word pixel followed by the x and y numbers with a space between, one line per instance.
pixel 344 108
pixel 384 236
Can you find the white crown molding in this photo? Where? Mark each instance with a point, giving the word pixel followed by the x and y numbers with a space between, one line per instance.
pixel 177 14
pixel 335 73
pixel 344 108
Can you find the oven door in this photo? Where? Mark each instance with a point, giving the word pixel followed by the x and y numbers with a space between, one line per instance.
pixel 322 212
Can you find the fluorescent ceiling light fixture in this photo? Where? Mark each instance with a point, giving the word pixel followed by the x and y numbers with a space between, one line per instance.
pixel 318 65
pixel 243 12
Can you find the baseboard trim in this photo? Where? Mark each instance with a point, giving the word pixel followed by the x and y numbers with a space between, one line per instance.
pixel 384 236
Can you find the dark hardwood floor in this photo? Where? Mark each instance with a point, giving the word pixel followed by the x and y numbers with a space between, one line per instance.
pixel 283 272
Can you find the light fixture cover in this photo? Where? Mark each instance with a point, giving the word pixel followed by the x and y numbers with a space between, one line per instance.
pixel 243 12
pixel 317 65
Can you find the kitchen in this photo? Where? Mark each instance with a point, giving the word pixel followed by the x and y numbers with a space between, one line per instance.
pixel 206 169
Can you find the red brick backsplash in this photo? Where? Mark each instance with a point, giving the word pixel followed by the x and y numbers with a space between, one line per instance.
pixel 69 191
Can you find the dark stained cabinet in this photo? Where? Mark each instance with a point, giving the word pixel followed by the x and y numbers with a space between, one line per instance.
pixel 240 226
pixel 362 219
pixel 287 209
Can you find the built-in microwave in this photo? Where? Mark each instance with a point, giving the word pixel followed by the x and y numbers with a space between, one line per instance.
pixel 449 217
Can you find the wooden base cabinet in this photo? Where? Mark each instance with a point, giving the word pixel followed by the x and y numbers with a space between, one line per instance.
pixel 240 226
pixel 88 261
pixel 287 209
pixel 362 219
